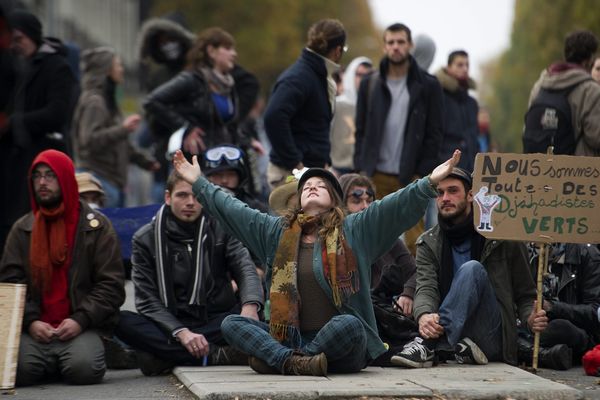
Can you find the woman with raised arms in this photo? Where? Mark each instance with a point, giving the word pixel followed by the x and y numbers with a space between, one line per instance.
pixel 319 269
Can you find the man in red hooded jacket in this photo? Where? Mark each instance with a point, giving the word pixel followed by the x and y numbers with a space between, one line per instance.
pixel 69 257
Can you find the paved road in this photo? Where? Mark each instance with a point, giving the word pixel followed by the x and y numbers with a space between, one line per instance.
pixel 131 384
pixel 117 385
pixel 576 378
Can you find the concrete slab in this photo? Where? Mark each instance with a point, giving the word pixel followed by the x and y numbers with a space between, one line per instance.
pixel 447 381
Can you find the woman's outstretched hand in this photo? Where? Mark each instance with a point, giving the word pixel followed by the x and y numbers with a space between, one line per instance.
pixel 443 170
pixel 189 172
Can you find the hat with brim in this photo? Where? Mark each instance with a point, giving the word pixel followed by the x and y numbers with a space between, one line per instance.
pixel 280 196
pixel 86 183
pixel 321 173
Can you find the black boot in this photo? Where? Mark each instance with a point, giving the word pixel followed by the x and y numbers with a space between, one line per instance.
pixel 558 357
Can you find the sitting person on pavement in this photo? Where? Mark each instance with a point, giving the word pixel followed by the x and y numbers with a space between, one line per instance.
pixel 224 165
pixel 182 267
pixel 90 190
pixel 68 255
pixel 393 275
pixel 468 287
pixel 571 299
pixel 319 262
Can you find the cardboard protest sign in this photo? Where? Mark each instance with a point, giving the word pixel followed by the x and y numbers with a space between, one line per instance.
pixel 537 197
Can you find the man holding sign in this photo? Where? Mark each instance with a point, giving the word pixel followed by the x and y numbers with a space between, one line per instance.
pixel 467 287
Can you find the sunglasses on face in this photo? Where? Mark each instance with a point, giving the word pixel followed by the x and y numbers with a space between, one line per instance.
pixel 359 192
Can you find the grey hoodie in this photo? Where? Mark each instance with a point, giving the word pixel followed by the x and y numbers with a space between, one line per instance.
pixel 101 142
pixel 585 105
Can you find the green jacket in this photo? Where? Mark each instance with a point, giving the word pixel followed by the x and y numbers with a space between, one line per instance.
pixel 369 233
pixel 507 266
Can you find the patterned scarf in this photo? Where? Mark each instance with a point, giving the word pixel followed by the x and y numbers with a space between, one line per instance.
pixel 339 268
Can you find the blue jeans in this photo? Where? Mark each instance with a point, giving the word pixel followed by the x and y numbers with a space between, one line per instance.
pixel 343 340
pixel 471 310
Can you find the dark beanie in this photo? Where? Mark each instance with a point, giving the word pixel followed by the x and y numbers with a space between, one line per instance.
pixel 27 23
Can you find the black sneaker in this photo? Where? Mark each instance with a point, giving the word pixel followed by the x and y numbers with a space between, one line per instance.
pixel 467 352
pixel 414 355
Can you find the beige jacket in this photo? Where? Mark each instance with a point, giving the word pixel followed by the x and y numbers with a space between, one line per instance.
pixel 585 105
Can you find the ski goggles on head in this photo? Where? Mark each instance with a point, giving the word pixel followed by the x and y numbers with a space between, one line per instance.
pixel 222 154
pixel 359 192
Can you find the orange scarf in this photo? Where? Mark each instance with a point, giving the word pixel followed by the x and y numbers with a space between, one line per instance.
pixel 48 245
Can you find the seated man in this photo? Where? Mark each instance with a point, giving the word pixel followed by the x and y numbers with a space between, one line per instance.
pixel 90 190
pixel 68 255
pixel 571 299
pixel 182 265
pixel 468 287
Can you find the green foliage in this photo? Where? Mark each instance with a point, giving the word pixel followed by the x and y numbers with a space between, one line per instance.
pixel 270 34
pixel 537 39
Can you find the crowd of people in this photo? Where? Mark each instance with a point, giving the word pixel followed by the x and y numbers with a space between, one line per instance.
pixel 330 273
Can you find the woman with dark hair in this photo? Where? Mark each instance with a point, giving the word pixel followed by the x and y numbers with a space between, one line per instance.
pixel 203 97
pixel 319 262
pixel 100 134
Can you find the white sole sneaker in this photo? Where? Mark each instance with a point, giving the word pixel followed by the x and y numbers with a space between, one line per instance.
pixel 479 357
pixel 403 362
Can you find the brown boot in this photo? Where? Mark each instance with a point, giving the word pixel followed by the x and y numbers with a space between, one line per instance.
pixel 306 365
pixel 262 367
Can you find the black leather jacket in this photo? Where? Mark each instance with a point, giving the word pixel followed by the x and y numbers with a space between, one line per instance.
pixel 186 100
pixel 578 288
pixel 193 291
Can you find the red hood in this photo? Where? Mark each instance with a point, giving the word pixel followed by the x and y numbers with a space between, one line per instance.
pixel 562 66
pixel 63 167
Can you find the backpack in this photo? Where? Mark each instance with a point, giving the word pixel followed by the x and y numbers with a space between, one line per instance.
pixel 548 123
pixel 394 327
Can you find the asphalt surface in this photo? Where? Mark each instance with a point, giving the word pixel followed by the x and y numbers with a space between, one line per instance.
pixel 117 385
pixel 132 384
pixel 575 378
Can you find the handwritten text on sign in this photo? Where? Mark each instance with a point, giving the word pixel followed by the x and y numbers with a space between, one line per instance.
pixel 537 197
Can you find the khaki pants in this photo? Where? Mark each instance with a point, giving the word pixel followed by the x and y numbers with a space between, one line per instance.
pixel 276 175
pixel 386 184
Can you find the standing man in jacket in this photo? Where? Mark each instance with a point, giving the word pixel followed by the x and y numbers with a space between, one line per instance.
pixel 298 116
pixel 584 97
pixel 468 287
pixel 398 121
pixel 461 130
pixel 39 115
pixel 69 257
pixel 183 265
